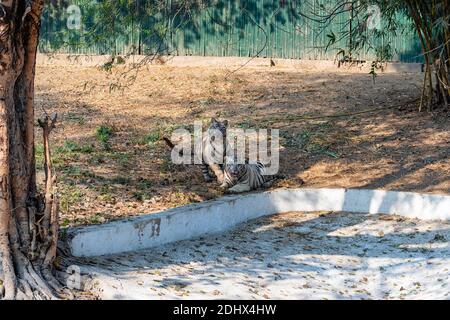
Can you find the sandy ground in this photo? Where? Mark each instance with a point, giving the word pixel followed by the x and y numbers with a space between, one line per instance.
pixel 392 149
pixel 289 256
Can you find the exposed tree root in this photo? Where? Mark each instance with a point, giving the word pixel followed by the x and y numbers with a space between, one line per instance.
pixel 27 271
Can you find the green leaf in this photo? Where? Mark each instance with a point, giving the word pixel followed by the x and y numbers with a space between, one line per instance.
pixel 332 154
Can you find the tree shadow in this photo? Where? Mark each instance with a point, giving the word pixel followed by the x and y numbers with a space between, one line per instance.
pixel 337 248
pixel 397 149
pixel 393 149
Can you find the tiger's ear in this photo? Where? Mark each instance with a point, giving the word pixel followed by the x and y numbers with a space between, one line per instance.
pixel 213 120
pixel 225 123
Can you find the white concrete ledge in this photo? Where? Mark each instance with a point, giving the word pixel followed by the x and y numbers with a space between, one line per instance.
pixel 219 215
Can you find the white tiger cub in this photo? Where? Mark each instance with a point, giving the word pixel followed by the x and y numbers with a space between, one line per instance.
pixel 240 178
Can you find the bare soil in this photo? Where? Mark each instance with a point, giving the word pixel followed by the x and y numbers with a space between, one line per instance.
pixel 130 172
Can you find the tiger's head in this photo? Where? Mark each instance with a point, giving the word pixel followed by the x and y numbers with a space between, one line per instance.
pixel 234 169
pixel 218 125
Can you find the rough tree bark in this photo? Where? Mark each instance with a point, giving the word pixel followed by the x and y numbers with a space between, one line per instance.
pixel 28 220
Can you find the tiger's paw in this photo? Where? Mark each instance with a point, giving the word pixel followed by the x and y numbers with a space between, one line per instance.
pixel 223 186
pixel 220 181
pixel 240 188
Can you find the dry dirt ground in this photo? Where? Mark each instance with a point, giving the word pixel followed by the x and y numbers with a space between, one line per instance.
pixel 111 163
pixel 295 255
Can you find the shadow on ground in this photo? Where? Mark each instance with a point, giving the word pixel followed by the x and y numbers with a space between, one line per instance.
pixel 391 149
pixel 290 256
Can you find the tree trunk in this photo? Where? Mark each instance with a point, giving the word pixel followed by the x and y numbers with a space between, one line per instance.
pixel 28 220
pixel 435 41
